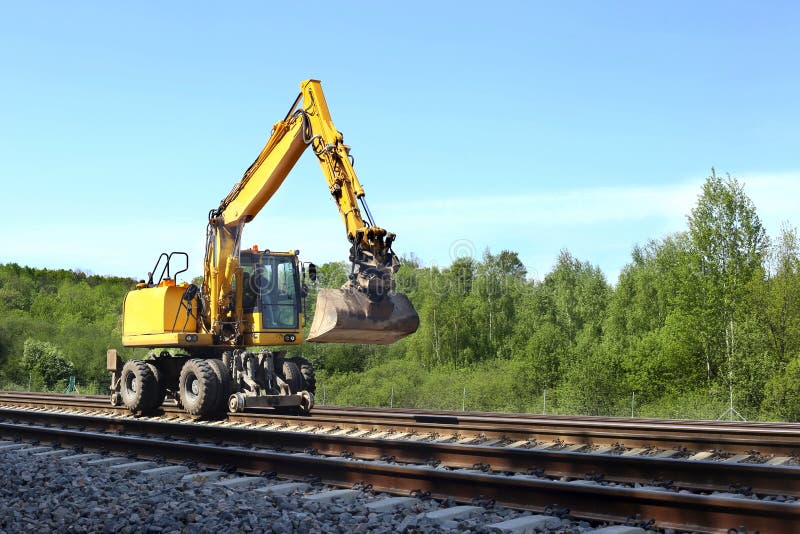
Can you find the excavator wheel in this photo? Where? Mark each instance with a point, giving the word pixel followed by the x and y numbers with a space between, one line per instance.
pixel 291 375
pixel 307 370
pixel 198 387
pixel 161 389
pixel 225 384
pixel 138 387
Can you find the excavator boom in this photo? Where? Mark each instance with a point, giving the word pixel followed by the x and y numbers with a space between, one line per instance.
pixel 364 310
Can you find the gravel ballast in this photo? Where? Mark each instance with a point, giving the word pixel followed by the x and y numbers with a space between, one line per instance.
pixel 44 494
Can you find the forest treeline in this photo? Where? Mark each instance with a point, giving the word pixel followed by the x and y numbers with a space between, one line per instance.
pixel 698 321
pixel 57 323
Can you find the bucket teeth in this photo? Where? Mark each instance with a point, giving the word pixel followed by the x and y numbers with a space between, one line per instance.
pixel 348 316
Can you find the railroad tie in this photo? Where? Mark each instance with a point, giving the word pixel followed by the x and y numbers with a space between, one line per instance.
pixel 345 495
pixel 283 489
pixel 83 457
pixel 203 476
pixel 53 453
pixel 133 466
pixel 526 523
pixel 736 458
pixel 702 455
pixel 166 472
pixel 669 453
pixel 390 504
pixel 110 460
pixel 33 450
pixel 634 452
pixel 444 515
pixel 779 460
pixel 239 482
pixel 619 529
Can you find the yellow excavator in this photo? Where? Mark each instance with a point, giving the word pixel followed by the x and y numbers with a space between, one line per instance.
pixel 206 338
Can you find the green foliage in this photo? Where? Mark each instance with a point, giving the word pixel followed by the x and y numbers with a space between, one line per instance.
pixel 76 312
pixel 782 398
pixel 498 385
pixel 775 298
pixel 45 363
pixel 697 404
pixel 729 239
pixel 591 385
pixel 728 247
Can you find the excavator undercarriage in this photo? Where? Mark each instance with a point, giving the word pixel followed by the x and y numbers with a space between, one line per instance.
pixel 210 387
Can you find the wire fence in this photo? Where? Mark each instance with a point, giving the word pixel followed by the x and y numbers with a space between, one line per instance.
pixel 68 385
pixel 458 398
pixel 703 406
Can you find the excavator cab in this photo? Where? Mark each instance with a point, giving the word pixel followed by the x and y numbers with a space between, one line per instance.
pixel 271 297
pixel 271 289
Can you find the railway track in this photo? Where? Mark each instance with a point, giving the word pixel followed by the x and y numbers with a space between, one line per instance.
pixel 726 439
pixel 609 470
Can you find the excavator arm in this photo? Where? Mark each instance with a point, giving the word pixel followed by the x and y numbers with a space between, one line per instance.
pixel 362 311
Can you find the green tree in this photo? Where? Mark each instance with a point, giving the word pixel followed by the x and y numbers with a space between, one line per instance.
pixel 729 243
pixel 782 398
pixel 45 362
pixel 776 297
pixel 579 295
pixel 653 320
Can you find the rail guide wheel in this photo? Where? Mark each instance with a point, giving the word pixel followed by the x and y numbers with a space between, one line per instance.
pixel 236 403
pixel 306 402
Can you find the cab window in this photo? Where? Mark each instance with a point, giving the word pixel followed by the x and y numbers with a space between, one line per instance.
pixel 278 293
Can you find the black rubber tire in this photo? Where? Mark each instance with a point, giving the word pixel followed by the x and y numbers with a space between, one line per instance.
pixel 198 387
pixel 307 371
pixel 161 390
pixel 291 375
pixel 225 384
pixel 138 386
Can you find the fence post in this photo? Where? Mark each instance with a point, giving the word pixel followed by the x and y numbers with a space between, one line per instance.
pixel 544 402
pixel 464 400
pixel 324 394
pixel 633 401
pixel 391 401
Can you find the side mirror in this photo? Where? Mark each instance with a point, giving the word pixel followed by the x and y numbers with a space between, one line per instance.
pixel 312 272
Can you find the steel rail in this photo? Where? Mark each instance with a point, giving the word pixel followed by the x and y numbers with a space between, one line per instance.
pixel 683 474
pixel 402 414
pixel 764 438
pixel 670 510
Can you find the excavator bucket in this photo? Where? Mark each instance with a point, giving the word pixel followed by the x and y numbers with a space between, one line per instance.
pixel 348 316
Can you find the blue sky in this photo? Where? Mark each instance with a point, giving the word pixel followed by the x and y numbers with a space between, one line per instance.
pixel 526 126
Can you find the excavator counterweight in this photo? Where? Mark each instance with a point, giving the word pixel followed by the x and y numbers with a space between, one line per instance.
pixel 349 316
